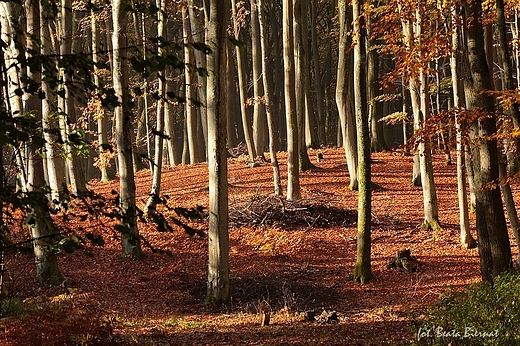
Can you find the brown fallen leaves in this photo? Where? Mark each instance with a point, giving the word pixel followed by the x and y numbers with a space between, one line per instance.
pixel 285 259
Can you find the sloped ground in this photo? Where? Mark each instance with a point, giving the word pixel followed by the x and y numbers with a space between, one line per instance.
pixel 286 258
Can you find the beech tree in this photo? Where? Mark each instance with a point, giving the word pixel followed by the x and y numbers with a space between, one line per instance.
pixel 493 240
pixel 131 242
pixel 362 269
pixel 218 237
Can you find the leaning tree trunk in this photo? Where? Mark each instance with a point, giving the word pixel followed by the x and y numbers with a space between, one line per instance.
pixel 362 269
pixel 493 239
pixel 131 244
pixel 218 261
pixel 347 119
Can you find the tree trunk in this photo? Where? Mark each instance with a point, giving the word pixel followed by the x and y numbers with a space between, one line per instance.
pixel 259 117
pixel 293 168
pixel 362 269
pixel 131 244
pixel 149 208
pixel 466 238
pixel 267 98
pixel 241 72
pixel 318 86
pixel 347 118
pixel 43 229
pixel 54 163
pixel 301 69
pixel 431 209
pixel 493 239
pixel 218 266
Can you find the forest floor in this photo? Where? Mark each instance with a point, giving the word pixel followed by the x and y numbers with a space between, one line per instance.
pixel 285 258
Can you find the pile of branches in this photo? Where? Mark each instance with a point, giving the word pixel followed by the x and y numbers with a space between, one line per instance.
pixel 271 210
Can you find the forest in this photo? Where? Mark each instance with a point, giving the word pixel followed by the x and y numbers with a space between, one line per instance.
pixel 259 172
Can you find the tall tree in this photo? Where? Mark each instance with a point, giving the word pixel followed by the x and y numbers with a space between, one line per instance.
pixel 218 261
pixel 238 18
pixel 131 243
pixel 43 230
pixel 267 100
pixel 161 106
pixel 362 269
pixel 493 240
pixel 293 167
pixel 466 238
pixel 343 96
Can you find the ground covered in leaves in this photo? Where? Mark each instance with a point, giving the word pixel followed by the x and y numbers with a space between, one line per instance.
pixel 288 259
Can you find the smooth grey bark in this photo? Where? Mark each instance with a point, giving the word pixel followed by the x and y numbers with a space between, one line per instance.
pixel 157 164
pixel 218 290
pixel 430 201
pixel 190 110
pixel 259 115
pixel 302 88
pixel 130 240
pixel 43 229
pixel 267 98
pixel 197 33
pixel 377 138
pixel 318 85
pixel 53 161
pixel 101 119
pixel 362 269
pixel 346 116
pixel 293 167
pixel 466 239
pixel 73 162
pixel 241 73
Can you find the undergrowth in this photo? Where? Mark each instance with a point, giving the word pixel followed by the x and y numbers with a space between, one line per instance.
pixel 480 315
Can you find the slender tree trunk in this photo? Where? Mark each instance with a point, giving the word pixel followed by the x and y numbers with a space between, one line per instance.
pixel 362 269
pixel 259 117
pixel 218 266
pixel 301 69
pixel 431 209
pixel 151 205
pixel 466 238
pixel 318 85
pixel 293 167
pixel 191 112
pixel 131 244
pixel 43 229
pixel 267 98
pixel 241 65
pixel 347 118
